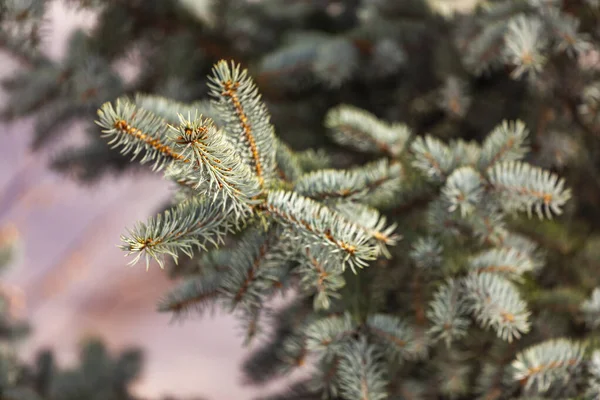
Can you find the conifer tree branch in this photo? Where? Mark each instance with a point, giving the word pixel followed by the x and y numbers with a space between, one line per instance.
pixel 313 160
pixel 246 118
pixel 361 376
pixel 288 163
pixel 329 334
pixel 463 190
pixel 252 267
pixel 301 223
pixel 360 129
pixel 526 188
pixel 137 131
pixel 357 184
pixel 504 261
pixel 432 157
pixel 213 164
pixel 543 364
pixel 394 333
pixel 187 225
pixel 496 303
pixel 447 313
pixel 324 231
pixel 507 142
pixel 373 223
pixel 194 294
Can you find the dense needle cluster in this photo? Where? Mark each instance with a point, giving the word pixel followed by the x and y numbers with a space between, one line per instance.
pixel 317 231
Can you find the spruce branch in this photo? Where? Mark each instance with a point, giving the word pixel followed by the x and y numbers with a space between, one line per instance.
pixel 395 335
pixel 463 190
pixel 351 126
pixel 324 276
pixel 361 184
pixel 454 97
pixel 22 29
pixel 432 157
pixel 325 232
pixel 245 116
pixel 285 349
pixel 483 49
pixel 442 222
pixel 293 350
pixel 137 131
pixel 326 65
pixel 312 160
pixel 191 224
pixel 325 378
pixel 465 153
pixel 361 376
pixel 303 390
pixel 251 267
pixel 448 312
pixel 522 187
pixel 565 30
pixel 332 184
pixel 388 58
pixel 524 45
pixel 496 303
pixel 426 253
pixel 330 333
pixel 298 223
pixel 289 167
pixel 213 261
pixel 541 365
pixel 195 294
pixel 213 165
pixel 453 375
pixel 508 262
pixel 507 142
pixel 374 183
pixel 524 247
pixel 487 222
pixel 490 380
pixel 265 363
pixel 291 64
pixel 250 318
pixel 370 220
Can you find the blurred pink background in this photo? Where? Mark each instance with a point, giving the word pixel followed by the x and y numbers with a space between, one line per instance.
pixel 74 280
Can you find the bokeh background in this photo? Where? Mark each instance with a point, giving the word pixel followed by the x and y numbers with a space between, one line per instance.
pixel 73 281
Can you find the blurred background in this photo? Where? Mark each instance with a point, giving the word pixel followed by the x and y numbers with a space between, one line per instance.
pixel 72 279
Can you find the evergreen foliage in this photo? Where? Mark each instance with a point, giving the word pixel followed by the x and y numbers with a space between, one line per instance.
pixel 449 250
pixel 317 231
